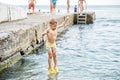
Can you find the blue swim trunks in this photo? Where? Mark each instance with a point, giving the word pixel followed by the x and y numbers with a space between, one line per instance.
pixel 54 2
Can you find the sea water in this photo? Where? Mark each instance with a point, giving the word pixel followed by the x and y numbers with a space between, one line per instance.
pixel 84 52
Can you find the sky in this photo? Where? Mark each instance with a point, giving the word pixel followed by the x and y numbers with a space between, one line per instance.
pixel 62 2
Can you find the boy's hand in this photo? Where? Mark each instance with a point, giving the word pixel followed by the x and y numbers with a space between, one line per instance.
pixel 67 18
pixel 65 21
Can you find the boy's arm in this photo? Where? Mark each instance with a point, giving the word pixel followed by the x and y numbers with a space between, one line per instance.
pixel 45 32
pixel 63 23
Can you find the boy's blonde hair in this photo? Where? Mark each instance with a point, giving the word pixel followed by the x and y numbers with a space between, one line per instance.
pixel 53 21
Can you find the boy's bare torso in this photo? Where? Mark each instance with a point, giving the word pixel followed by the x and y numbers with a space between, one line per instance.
pixel 51 36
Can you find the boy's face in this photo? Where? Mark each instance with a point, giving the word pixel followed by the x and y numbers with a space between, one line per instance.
pixel 53 26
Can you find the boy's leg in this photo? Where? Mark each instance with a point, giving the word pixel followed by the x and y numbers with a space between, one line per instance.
pixel 55 60
pixel 54 57
pixel 49 57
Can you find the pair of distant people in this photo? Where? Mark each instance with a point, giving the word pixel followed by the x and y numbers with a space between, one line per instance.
pixel 32 3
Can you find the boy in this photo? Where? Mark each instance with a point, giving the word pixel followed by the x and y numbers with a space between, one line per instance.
pixel 53 6
pixel 51 33
pixel 31 5
pixel 81 5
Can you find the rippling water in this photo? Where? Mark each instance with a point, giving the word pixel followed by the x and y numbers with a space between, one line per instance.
pixel 84 52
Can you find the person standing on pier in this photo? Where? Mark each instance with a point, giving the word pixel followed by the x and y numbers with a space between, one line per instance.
pixel 31 5
pixel 51 33
pixel 68 6
pixel 80 2
pixel 53 6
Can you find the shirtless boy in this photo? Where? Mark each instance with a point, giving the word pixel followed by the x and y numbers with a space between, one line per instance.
pixel 51 33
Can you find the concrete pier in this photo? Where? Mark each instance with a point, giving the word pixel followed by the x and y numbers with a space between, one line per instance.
pixel 20 37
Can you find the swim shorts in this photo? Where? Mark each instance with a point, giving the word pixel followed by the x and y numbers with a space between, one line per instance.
pixel 49 45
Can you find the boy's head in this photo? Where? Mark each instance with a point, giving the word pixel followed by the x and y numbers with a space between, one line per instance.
pixel 53 24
